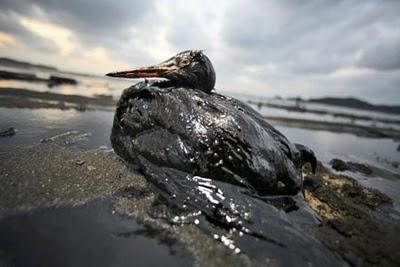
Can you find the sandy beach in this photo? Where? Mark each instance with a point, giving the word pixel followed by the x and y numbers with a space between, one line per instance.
pixel 358 223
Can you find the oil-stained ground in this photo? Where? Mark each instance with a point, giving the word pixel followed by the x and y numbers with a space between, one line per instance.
pixel 358 223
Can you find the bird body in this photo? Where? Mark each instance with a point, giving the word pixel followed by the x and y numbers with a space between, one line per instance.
pixel 209 135
pixel 178 123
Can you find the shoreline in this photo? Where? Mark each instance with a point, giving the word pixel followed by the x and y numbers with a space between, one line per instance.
pixel 24 98
pixel 337 127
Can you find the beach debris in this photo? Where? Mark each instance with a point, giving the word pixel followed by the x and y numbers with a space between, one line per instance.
pixel 68 138
pixel 62 105
pixel 340 166
pixel 79 162
pixel 81 107
pixel 57 80
pixel 91 168
pixel 8 132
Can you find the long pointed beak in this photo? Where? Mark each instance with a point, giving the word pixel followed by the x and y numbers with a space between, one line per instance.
pixel 156 71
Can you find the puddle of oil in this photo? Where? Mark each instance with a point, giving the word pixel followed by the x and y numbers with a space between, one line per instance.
pixel 87 235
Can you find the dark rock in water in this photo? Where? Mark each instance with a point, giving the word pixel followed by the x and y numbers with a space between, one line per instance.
pixel 340 165
pixel 217 163
pixel 57 80
pixel 8 132
pixel 354 166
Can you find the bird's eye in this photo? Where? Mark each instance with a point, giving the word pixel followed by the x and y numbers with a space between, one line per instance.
pixel 184 62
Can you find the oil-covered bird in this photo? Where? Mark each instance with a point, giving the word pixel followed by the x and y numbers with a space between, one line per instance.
pixel 177 123
pixel 215 162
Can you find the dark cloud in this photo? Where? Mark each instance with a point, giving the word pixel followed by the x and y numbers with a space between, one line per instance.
pixel 9 24
pixel 382 56
pixel 292 47
pixel 310 36
pixel 96 22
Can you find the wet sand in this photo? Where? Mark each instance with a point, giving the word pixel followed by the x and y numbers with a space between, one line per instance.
pixel 358 223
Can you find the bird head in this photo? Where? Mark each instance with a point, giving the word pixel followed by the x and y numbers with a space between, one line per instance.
pixel 190 69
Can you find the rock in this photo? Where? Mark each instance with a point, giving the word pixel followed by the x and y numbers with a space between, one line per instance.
pixel 8 132
pixel 357 222
pixel 339 165
pixel 80 162
pixel 354 166
pixel 57 80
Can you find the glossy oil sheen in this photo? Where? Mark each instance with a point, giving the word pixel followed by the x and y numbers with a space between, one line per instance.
pixel 87 235
pixel 219 165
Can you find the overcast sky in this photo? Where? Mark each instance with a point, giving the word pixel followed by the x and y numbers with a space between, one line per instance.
pixel 287 48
